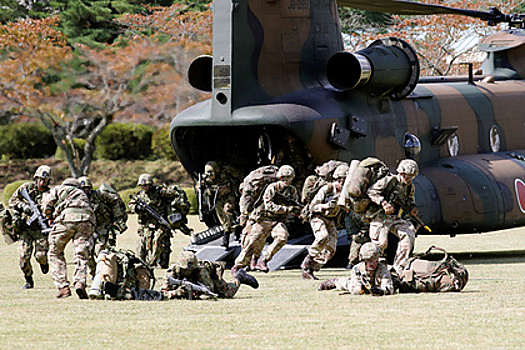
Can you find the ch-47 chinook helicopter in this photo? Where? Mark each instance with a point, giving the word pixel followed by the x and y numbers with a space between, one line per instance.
pixel 279 70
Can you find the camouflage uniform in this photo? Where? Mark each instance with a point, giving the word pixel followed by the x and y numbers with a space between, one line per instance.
pixel 152 235
pixel 268 218
pixel 323 222
pixel 74 220
pixel 380 278
pixel 358 234
pixel 111 216
pixel 209 273
pixel 31 238
pixel 387 190
pixel 221 190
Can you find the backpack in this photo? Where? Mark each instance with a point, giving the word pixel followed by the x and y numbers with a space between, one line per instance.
pixel 253 185
pixel 119 274
pixel 313 183
pixel 445 275
pixel 361 177
pixel 7 225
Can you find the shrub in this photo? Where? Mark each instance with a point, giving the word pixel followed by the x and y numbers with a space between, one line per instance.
pixel 26 141
pixel 10 189
pixel 124 141
pixel 126 193
pixel 161 145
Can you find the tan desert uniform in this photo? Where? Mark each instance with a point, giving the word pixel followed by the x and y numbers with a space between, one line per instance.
pixel 384 190
pixel 31 237
pixel 269 218
pixel 74 220
pixel 323 225
pixel 379 278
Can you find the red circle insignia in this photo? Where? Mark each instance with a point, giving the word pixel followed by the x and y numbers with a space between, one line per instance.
pixel 520 193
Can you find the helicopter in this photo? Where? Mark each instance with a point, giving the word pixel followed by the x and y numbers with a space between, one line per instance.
pixel 279 71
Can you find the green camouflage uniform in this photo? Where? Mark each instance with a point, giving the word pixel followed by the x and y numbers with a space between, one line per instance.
pixel 392 190
pixel 223 189
pixel 74 220
pixel 268 218
pixel 323 222
pixel 209 273
pixel 152 235
pixel 358 234
pixel 380 278
pixel 31 237
pixel 110 216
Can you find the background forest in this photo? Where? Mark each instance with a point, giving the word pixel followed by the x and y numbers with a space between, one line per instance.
pixel 90 72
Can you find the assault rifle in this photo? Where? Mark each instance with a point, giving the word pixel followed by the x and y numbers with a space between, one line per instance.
pixel 403 207
pixel 159 218
pixel 37 214
pixel 206 207
pixel 191 287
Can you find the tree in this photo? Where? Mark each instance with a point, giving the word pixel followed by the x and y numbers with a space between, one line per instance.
pixel 440 41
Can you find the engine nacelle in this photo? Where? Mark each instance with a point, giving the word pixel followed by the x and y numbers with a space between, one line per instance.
pixel 387 67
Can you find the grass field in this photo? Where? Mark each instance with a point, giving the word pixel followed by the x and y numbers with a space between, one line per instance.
pixel 284 313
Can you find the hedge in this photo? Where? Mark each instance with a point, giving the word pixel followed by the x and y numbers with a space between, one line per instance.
pixel 124 141
pixel 26 141
pixel 161 144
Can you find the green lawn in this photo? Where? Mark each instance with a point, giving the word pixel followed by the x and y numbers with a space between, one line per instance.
pixel 284 313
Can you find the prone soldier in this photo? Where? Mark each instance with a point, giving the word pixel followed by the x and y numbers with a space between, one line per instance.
pixel 205 278
pixel 32 237
pixel 73 219
pixel 110 214
pixel 370 276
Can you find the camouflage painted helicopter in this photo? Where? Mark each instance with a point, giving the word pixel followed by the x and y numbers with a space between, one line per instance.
pixel 279 70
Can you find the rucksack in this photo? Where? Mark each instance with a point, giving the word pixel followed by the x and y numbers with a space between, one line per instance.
pixel 421 275
pixel 253 185
pixel 313 183
pixel 118 274
pixel 361 177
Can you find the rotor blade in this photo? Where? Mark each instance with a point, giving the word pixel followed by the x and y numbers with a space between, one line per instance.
pixel 401 7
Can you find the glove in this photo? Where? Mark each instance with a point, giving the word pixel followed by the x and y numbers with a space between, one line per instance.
pixel 376 291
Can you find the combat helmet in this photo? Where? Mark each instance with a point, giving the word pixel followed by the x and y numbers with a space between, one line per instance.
pixel 71 181
pixel 212 168
pixel 145 179
pixel 285 171
pixel 85 182
pixel 43 172
pixel 188 260
pixel 408 167
pixel 341 171
pixel 369 251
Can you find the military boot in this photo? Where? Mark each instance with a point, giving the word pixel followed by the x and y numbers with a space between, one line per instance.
pixel 226 240
pixel 63 292
pixel 235 269
pixel 308 271
pixel 29 282
pixel 253 263
pixel 327 285
pixel 44 268
pixel 80 289
pixel 261 266
pixel 245 278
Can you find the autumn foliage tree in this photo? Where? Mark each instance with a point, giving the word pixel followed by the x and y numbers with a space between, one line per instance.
pixel 441 41
pixel 77 92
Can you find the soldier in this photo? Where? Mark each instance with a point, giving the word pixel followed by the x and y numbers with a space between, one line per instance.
pixel 110 214
pixel 324 214
pixel 280 199
pixel 74 220
pixel 395 196
pixel 370 276
pixel 152 233
pixel 220 190
pixel 203 273
pixel 31 237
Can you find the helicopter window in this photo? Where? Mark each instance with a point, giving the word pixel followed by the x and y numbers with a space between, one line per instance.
pixel 494 138
pixel 453 145
pixel 222 98
pixel 412 146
